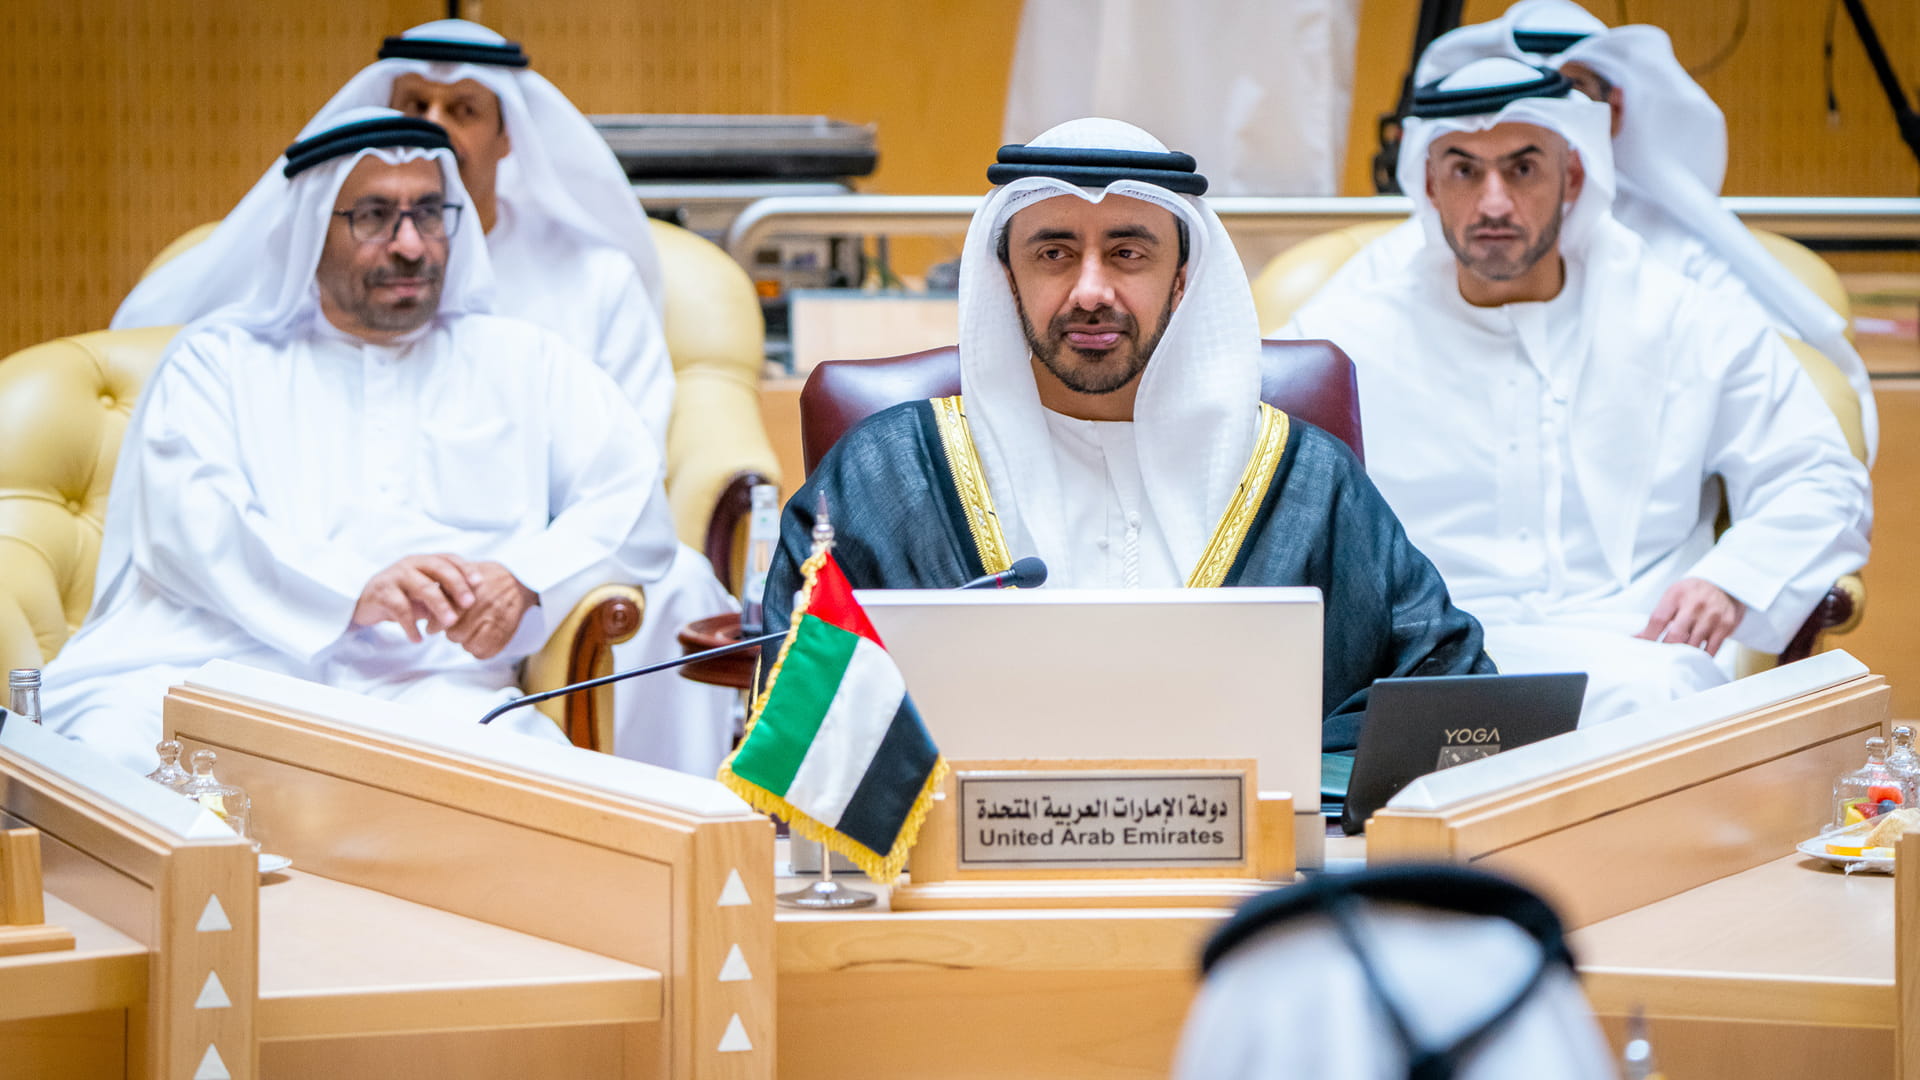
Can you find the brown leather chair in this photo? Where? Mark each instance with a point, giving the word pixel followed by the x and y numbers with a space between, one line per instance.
pixel 1311 380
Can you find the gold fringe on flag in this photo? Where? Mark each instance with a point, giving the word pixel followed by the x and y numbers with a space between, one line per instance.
pixel 882 868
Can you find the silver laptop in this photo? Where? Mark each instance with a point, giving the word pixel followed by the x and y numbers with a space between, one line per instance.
pixel 1099 673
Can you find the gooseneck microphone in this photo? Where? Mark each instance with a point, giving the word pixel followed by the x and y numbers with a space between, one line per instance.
pixel 1027 573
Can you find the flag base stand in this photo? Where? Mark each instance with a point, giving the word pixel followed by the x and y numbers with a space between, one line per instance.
pixel 827 894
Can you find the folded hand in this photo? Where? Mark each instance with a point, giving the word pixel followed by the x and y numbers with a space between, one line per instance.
pixel 1694 612
pixel 499 602
pixel 435 589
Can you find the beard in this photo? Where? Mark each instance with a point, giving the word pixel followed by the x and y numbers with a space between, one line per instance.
pixel 1495 267
pixel 409 313
pixel 1095 372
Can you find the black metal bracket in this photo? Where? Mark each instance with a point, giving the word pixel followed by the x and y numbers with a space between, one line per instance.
pixel 1904 116
pixel 1436 18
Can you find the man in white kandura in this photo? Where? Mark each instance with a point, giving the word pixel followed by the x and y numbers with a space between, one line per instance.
pixel 1669 158
pixel 353 473
pixel 572 252
pixel 1554 413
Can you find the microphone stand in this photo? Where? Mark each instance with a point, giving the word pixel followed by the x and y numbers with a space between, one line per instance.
pixel 826 893
pixel 664 665
pixel 1029 571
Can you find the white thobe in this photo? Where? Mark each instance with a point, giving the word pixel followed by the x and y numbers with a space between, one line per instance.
pixel 266 484
pixel 1562 463
pixel 1112 543
pixel 593 297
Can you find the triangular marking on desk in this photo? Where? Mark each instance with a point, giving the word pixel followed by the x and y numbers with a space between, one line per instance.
pixel 735 969
pixel 213 917
pixel 734 892
pixel 211 1067
pixel 733 1042
pixel 212 994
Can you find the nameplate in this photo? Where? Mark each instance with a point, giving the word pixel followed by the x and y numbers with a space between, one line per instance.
pixel 1100 818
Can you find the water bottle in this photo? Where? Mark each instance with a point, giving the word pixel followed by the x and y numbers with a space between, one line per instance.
pixel 23 693
pixel 763 533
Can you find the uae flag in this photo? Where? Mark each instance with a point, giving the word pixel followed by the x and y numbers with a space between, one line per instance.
pixel 833 745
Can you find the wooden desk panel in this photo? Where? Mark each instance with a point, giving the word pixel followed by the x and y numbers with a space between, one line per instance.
pixel 105 969
pixel 1771 972
pixel 82 1046
pixel 336 959
pixel 593 924
pixel 963 1025
pixel 1053 993
pixel 593 1052
pixel 1792 918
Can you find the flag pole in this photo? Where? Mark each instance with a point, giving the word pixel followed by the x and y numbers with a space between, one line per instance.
pixel 825 894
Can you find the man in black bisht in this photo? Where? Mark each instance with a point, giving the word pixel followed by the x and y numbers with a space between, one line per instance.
pixel 1110 422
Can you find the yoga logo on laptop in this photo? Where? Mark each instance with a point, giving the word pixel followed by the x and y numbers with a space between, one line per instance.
pixel 1462 745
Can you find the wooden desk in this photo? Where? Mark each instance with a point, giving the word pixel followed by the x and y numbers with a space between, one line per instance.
pixel 459 906
pixel 1771 972
pixel 1044 993
pixel 65 1013
pixel 336 959
pixel 1792 940
pixel 1672 863
pixel 105 969
pixel 466 906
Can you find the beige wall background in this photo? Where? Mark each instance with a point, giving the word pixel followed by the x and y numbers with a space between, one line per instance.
pixel 126 122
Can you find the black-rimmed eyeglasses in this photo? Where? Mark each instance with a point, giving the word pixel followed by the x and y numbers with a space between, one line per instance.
pixel 382 221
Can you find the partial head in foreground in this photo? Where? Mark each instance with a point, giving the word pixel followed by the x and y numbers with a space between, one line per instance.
pixel 1497 156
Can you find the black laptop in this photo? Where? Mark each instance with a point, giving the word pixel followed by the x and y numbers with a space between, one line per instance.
pixel 1417 726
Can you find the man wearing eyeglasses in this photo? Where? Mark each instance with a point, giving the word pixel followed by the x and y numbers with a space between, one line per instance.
pixel 571 251
pixel 356 474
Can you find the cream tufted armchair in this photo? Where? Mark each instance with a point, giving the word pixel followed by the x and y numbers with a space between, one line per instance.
pixel 64 407
pixel 1291 279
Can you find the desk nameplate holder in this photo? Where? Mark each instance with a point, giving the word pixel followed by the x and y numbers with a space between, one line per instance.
pixel 1099 833
pixel 23 919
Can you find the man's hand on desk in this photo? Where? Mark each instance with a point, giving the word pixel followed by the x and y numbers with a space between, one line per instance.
pixel 1694 612
pixel 436 589
pixel 499 602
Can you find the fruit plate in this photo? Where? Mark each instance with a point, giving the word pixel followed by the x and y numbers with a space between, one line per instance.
pixel 1816 847
pixel 273 864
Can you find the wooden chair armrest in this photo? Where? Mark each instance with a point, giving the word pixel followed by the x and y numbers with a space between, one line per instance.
pixel 1837 613
pixel 580 648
